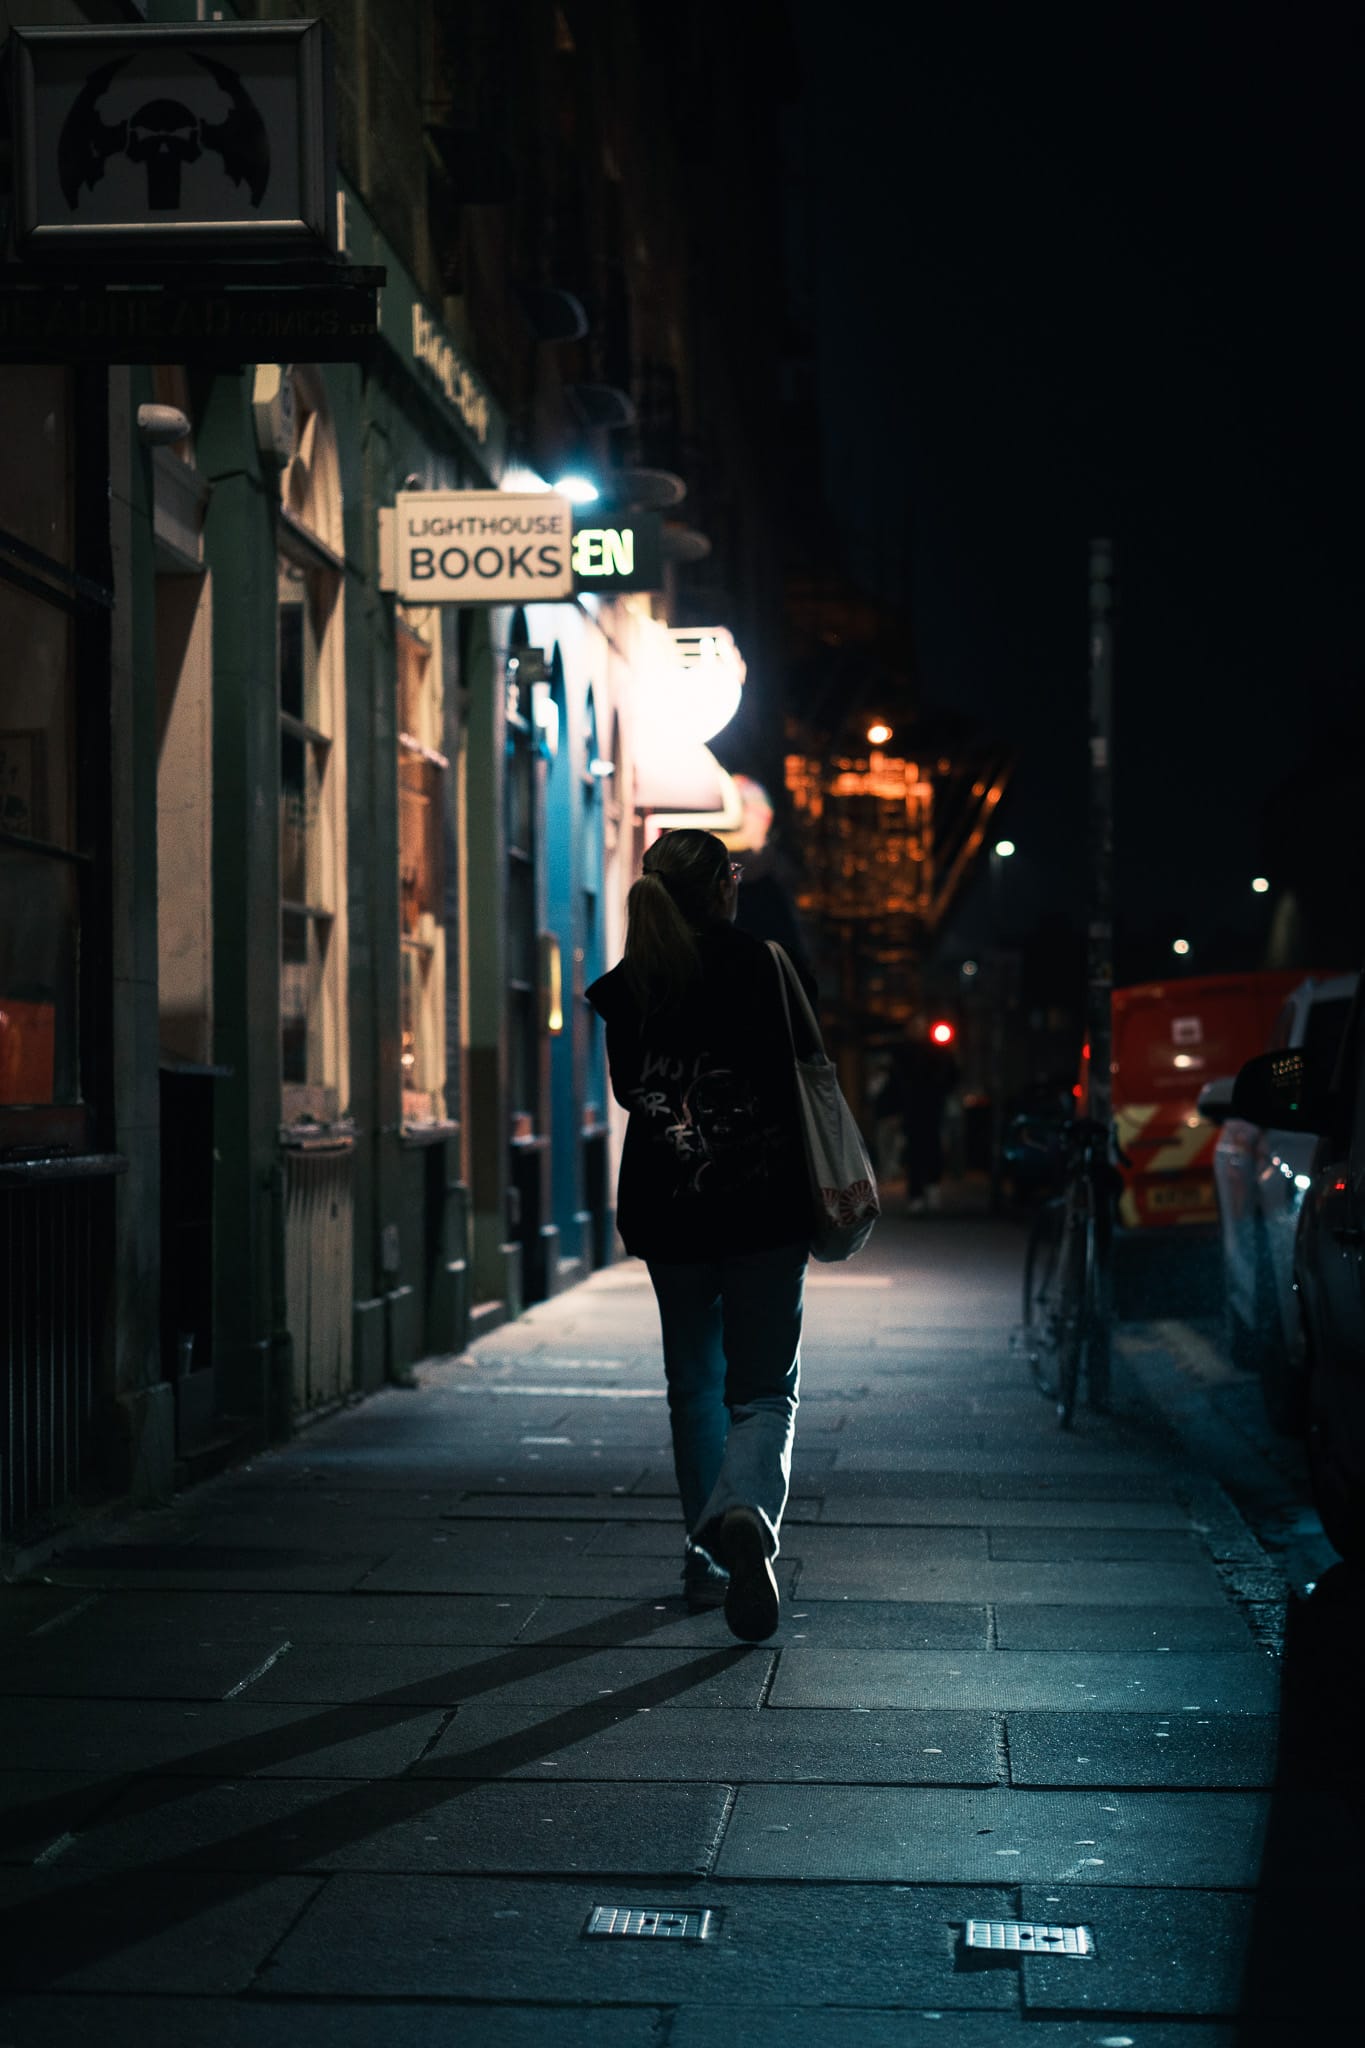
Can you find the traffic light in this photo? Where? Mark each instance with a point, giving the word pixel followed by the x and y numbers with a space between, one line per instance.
pixel 942 1033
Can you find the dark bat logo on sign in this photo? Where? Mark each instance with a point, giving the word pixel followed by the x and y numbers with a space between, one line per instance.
pixel 164 135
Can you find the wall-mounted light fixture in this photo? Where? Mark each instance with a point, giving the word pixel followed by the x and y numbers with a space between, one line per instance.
pixel 159 425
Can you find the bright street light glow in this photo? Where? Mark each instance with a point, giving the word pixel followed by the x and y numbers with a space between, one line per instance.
pixel 878 734
pixel 579 490
pixel 1260 885
pixel 1004 847
pixel 1181 946
pixel 969 967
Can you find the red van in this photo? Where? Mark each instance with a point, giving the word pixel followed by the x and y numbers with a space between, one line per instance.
pixel 1170 1037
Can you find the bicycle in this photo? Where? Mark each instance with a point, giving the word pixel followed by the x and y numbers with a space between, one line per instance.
pixel 1066 1331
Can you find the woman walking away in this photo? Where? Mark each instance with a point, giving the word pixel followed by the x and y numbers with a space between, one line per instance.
pixel 714 1198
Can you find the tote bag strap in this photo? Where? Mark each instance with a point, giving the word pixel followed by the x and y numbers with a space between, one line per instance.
pixel 789 979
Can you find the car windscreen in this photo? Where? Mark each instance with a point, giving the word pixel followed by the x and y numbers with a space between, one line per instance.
pixel 1322 1032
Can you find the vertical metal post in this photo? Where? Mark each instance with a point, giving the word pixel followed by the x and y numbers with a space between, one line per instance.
pixel 1100 955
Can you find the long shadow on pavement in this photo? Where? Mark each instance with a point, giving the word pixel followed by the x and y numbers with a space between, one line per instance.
pixel 70 1927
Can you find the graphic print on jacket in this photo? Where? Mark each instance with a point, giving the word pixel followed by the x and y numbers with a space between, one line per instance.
pixel 712 1165
pixel 710 1117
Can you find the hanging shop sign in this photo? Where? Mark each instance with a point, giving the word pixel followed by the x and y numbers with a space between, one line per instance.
pixel 477 547
pixel 618 554
pixel 183 140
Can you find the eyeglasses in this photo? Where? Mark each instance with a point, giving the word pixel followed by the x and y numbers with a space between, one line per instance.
pixel 736 871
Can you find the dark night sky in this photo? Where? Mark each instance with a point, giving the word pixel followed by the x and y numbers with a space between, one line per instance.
pixel 1071 272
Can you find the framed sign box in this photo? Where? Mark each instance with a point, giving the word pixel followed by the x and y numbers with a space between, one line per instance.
pixel 174 142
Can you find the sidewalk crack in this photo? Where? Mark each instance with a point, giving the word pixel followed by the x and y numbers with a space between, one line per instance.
pixel 259 1672
pixel 708 1861
pixel 427 1747
pixel 1004 1771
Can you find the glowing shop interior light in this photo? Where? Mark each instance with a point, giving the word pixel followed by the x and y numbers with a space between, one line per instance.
pixel 1004 848
pixel 878 735
pixel 1260 885
pixel 1181 946
pixel 579 490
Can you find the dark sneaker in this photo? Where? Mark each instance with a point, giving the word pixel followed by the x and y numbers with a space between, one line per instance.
pixel 704 1583
pixel 752 1605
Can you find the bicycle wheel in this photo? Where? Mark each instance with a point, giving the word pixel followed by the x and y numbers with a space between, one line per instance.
pixel 1040 1293
pixel 1078 1312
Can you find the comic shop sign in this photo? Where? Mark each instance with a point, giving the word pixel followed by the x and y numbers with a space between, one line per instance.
pixel 174 140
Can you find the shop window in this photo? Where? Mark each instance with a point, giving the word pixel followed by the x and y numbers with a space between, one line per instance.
pixel 312 787
pixel 42 860
pixel 422 771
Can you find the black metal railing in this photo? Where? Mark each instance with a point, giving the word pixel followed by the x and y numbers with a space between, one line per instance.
pixel 54 1265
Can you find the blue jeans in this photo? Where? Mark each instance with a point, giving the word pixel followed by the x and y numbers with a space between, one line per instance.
pixel 732 1360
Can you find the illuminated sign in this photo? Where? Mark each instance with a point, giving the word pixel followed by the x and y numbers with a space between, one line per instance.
pixel 477 547
pixel 618 554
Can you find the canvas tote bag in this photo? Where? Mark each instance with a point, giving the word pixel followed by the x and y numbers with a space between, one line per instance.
pixel 844 1200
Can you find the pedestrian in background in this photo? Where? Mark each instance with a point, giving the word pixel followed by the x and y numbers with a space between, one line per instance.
pixel 923 1075
pixel 714 1197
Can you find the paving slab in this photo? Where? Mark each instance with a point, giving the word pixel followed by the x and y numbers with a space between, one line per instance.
pixel 469 1468
pixel 1156 1951
pixel 846 2027
pixel 743 1747
pixel 289 1491
pixel 430 1570
pixel 254 1825
pixel 119 1615
pixel 194 1933
pixel 907 1546
pixel 848 1511
pixel 561 1507
pixel 1133 1628
pixel 32 1609
pixel 71 1666
pixel 115 1737
pixel 730 1675
pixel 1083 1585
pixel 39 1809
pixel 1073 1546
pixel 433 1938
pixel 933 1837
pixel 1140 1481
pixel 56 2021
pixel 1229 1682
pixel 1142 1749
pixel 869 1624
pixel 1094 1463
pixel 198 1566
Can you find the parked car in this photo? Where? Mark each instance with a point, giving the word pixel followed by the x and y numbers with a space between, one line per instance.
pixel 1260 1177
pixel 1296 1090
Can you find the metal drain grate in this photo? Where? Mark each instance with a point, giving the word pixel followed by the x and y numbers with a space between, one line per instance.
pixel 1029 1938
pixel 661 1922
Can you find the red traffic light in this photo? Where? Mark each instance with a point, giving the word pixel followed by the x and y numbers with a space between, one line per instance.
pixel 942 1033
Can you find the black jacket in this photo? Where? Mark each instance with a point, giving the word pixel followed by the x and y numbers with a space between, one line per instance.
pixel 713 1163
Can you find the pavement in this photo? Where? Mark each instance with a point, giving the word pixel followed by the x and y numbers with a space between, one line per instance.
pixel 350 1745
